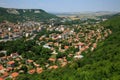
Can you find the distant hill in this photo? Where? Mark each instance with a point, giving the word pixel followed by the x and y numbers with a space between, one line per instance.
pixel 99 13
pixel 16 15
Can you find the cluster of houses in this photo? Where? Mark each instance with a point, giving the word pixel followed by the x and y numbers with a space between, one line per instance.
pixel 12 31
pixel 13 65
pixel 83 38
pixel 61 38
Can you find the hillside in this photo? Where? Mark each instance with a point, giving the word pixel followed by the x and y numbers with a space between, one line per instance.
pixel 102 64
pixel 93 15
pixel 16 15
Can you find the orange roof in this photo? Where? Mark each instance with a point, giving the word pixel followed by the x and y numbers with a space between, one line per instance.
pixel 37 65
pixel 86 47
pixel 53 67
pixel 80 44
pixel 63 64
pixel 70 55
pixel 30 61
pixel 51 59
pixel 82 49
pixel 5 74
pixel 14 74
pixel 94 45
pixel 32 71
pixel 4 57
pixel 66 47
pixel 65 60
pixel 11 62
pixel 1 67
pixel 60 59
pixel 1 78
pixel 18 59
pixel 39 70
pixel 9 68
pixel 8 56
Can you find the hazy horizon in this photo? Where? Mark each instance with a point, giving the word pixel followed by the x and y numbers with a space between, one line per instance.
pixel 64 5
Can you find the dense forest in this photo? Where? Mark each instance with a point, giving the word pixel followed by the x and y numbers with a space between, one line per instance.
pixel 21 15
pixel 102 64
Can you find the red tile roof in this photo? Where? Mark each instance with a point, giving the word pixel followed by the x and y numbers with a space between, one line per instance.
pixel 18 59
pixel 11 62
pixel 5 74
pixel 66 47
pixel 60 59
pixel 1 67
pixel 1 78
pixel 14 74
pixel 9 69
pixel 39 70
pixel 80 44
pixel 86 47
pixel 32 71
pixel 53 67
pixel 30 61
pixel 52 59
pixel 94 45
pixel 63 64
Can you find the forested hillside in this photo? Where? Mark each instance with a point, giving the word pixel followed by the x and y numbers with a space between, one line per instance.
pixel 21 15
pixel 102 64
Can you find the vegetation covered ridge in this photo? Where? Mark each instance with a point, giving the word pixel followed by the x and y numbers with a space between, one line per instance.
pixel 21 15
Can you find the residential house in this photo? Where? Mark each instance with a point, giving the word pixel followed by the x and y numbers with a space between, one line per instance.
pixel 11 64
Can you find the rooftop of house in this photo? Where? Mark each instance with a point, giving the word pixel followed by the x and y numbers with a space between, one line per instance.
pixel 15 74
pixel 1 78
pixel 1 67
pixel 11 62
